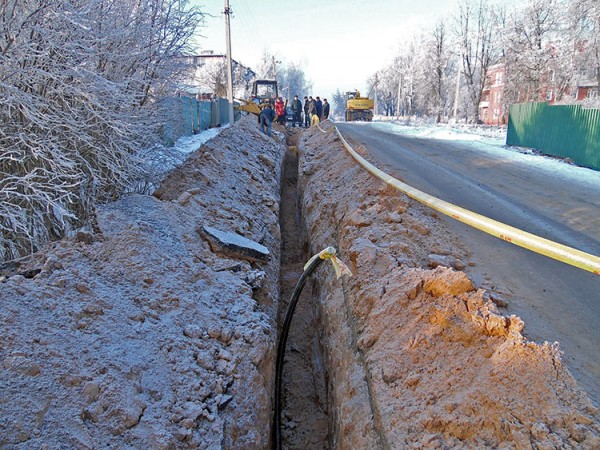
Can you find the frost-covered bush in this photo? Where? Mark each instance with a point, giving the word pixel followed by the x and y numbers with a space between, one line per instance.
pixel 79 87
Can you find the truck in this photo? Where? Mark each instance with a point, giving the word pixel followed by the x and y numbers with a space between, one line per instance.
pixel 358 108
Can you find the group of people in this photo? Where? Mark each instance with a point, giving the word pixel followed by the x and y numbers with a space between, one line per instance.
pixel 314 110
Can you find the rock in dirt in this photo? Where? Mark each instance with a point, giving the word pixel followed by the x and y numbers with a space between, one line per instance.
pixel 234 245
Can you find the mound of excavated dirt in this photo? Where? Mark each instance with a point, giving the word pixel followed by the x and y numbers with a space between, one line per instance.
pixel 144 337
pixel 148 336
pixel 417 357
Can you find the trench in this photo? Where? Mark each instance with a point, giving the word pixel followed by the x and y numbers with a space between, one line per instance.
pixel 304 405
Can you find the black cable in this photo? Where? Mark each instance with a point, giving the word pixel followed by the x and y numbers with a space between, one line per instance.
pixel 281 350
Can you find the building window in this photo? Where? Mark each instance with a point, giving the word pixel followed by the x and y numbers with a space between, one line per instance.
pixel 549 95
pixel 497 97
pixel 498 78
pixel 592 93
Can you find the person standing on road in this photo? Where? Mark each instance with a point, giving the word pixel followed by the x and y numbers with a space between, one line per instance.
pixel 306 114
pixel 312 108
pixel 265 119
pixel 297 111
pixel 319 107
pixel 325 109
pixel 280 111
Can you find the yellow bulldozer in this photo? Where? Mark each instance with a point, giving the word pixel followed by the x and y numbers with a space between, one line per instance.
pixel 263 92
pixel 358 108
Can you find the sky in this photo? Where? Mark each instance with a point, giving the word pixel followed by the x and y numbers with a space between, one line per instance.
pixel 338 43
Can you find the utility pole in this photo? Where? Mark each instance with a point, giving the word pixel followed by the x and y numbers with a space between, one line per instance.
pixel 375 98
pixel 458 71
pixel 273 70
pixel 274 67
pixel 399 95
pixel 229 67
pixel 456 95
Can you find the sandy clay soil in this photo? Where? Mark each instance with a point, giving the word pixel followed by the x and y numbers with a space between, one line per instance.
pixel 416 356
pixel 149 336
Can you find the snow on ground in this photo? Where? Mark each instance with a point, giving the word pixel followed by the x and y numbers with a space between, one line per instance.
pixel 144 337
pixel 428 132
pixel 189 144
pixel 158 160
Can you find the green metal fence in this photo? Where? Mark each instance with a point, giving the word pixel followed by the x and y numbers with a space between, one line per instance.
pixel 568 131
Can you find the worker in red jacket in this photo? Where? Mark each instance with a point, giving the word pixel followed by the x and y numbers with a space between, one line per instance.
pixel 280 110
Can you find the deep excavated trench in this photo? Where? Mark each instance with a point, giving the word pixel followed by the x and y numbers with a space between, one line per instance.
pixel 411 353
pixel 149 338
pixel 304 404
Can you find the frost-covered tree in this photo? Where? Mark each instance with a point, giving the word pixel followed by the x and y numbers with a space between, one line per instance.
pixel 387 92
pixel 338 103
pixel 405 67
pixel 292 81
pixel 538 51
pixel 268 66
pixel 212 76
pixel 585 29
pixel 474 29
pixel 433 72
pixel 80 89
pixel 290 77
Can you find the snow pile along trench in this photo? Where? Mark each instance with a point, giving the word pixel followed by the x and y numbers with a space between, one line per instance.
pixel 416 356
pixel 149 336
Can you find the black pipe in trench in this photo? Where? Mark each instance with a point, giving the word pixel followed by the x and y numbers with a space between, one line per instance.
pixel 281 350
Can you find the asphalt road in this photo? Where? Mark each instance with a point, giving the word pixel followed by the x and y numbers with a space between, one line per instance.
pixel 557 302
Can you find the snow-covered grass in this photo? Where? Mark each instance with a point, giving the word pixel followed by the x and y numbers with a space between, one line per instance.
pixel 189 144
pixel 158 160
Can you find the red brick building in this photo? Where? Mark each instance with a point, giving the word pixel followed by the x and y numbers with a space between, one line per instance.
pixel 491 109
pixel 587 84
pixel 584 86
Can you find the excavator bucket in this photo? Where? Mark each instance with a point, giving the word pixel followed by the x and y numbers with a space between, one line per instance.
pixel 250 107
pixel 263 92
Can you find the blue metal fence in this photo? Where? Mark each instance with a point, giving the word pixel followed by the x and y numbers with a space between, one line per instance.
pixel 568 131
pixel 187 116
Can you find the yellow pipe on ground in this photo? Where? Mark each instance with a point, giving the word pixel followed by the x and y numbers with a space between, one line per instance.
pixel 551 249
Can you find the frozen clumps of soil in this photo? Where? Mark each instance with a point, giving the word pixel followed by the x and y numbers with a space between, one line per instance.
pixel 143 337
pixel 417 357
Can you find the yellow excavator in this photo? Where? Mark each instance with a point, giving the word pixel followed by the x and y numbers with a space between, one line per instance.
pixel 358 108
pixel 263 92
